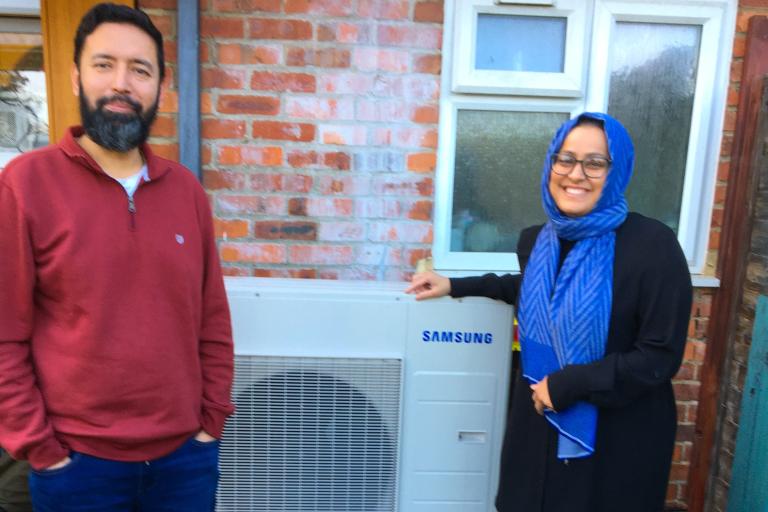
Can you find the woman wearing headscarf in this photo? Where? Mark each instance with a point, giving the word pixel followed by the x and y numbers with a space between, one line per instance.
pixel 603 304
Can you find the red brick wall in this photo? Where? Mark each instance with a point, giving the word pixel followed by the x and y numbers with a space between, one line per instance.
pixel 164 131
pixel 319 136
pixel 747 9
pixel 319 132
pixel 687 383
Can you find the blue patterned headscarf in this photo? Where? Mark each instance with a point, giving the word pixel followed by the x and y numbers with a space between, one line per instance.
pixel 564 315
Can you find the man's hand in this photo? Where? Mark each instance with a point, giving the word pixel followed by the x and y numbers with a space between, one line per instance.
pixel 540 396
pixel 429 285
pixel 63 462
pixel 204 437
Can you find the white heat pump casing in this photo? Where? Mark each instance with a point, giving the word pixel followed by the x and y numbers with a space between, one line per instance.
pixel 453 393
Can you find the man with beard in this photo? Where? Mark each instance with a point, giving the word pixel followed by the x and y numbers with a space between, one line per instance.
pixel 116 355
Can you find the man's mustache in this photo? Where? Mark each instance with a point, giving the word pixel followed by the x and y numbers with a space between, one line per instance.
pixel 119 98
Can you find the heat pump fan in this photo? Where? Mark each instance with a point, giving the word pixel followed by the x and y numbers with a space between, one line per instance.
pixel 312 434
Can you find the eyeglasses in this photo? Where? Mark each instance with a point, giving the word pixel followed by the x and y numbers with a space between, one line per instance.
pixel 593 166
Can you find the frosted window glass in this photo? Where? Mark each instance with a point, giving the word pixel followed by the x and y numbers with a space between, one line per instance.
pixel 496 191
pixel 520 43
pixel 653 79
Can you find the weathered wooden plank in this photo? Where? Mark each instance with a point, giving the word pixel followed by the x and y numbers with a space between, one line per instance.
pixel 749 481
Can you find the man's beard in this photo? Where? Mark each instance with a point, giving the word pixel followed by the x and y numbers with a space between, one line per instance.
pixel 116 131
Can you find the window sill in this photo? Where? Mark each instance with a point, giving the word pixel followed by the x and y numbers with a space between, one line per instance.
pixel 703 281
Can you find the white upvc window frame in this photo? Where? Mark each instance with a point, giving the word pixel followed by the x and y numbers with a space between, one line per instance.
pixel 20 7
pixel 717 19
pixel 526 2
pixel 717 24
pixel 569 83
pixel 443 257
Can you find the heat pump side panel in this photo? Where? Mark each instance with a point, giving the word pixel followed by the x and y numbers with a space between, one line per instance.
pixel 455 395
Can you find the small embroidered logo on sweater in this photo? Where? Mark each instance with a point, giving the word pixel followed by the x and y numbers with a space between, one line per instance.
pixel 179 239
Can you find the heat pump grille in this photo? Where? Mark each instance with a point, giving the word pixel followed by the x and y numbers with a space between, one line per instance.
pixel 312 434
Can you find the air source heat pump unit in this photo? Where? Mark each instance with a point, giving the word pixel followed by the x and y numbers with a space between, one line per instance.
pixel 353 397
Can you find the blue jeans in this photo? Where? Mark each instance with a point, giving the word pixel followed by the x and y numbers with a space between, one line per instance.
pixel 182 481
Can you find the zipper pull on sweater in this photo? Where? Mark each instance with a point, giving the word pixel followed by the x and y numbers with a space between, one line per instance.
pixel 132 211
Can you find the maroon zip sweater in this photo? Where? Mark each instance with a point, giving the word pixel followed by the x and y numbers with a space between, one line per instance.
pixel 115 336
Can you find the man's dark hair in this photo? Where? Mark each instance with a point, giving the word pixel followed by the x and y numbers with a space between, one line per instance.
pixel 116 13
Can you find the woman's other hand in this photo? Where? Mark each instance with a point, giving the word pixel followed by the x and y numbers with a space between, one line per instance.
pixel 540 396
pixel 429 285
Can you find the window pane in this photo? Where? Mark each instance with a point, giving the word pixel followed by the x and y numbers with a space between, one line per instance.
pixel 23 107
pixel 652 88
pixel 520 43
pixel 499 157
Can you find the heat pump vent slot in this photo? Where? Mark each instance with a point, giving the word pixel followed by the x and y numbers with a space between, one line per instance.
pixel 312 434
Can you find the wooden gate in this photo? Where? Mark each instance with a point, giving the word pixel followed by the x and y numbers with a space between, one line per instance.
pixel 749 483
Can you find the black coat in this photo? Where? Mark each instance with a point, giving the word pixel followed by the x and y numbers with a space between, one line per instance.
pixel 631 386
